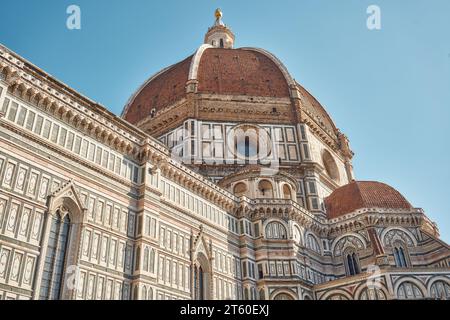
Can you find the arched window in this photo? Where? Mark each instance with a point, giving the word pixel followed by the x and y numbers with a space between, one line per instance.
pixel 275 230
pixel 330 165
pixel 246 293
pixel 150 293
pixel 297 235
pixel 221 43
pixel 135 292
pixel 253 292
pixel 408 290
pixel 262 294
pixel 312 244
pixel 400 255
pixel 198 283
pixel 144 293
pixel 146 258
pixel 287 193
pixel 283 296
pixel 337 297
pixel 152 261
pixel 372 294
pixel 55 258
pixel 240 189
pixel 202 279
pixel 265 189
pixel 440 290
pixel 351 262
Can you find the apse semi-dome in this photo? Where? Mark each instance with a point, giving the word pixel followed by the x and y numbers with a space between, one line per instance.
pixel 364 194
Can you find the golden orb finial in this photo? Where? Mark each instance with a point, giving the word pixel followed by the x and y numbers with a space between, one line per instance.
pixel 218 14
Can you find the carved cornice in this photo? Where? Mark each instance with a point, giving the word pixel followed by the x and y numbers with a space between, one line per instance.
pixel 187 178
pixel 379 217
pixel 32 85
pixel 281 209
pixel 254 171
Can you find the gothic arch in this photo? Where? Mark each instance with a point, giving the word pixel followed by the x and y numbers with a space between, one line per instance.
pixel 435 280
pixel 65 210
pixel 414 281
pixel 316 242
pixel 202 277
pixel 339 292
pixel 350 239
pixel 360 290
pixel 285 292
pixel 386 233
pixel 66 199
pixel 272 224
pixel 299 232
pixel 351 261
pixel 201 268
pixel 307 297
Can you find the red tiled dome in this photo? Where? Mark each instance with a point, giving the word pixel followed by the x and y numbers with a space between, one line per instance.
pixel 363 194
pixel 160 91
pixel 240 72
pixel 220 71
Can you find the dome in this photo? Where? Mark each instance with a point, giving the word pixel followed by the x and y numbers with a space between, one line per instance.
pixel 161 90
pixel 202 85
pixel 363 194
pixel 222 71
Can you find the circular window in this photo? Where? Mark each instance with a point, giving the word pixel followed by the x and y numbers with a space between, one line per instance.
pixel 249 142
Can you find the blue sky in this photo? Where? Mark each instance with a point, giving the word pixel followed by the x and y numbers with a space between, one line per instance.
pixel 388 90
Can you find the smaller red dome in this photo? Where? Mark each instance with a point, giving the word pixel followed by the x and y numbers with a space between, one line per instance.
pixel 363 194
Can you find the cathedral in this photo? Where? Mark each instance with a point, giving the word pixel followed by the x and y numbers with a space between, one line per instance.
pixel 223 179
